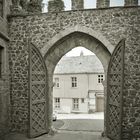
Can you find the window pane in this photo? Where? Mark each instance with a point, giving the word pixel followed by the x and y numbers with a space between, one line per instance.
pixel 100 78
pixel 74 81
pixel 56 82
pixel 82 100
pixel 75 104
pixel 57 103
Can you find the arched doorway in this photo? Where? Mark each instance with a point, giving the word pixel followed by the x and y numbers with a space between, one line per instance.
pixel 54 52
pixel 78 92
pixel 64 45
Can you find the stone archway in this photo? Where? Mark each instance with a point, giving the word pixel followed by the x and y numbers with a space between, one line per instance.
pixel 78 28
pixel 58 47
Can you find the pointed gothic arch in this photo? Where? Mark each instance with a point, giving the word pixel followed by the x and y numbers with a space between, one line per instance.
pixel 59 48
pixel 95 34
pixel 55 49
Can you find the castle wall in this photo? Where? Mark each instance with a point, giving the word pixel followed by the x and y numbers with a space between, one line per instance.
pixel 103 3
pixel 4 78
pixel 131 2
pixel 114 24
pixel 77 4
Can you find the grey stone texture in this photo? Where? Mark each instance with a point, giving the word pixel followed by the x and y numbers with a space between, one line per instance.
pixel 24 6
pixel 55 6
pixel 34 6
pixel 102 3
pixel 55 34
pixel 113 23
pixel 4 79
pixel 131 2
pixel 77 4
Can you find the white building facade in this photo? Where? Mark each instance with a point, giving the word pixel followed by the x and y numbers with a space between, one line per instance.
pixel 78 85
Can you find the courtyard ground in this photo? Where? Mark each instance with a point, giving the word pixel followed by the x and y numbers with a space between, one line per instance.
pixel 80 122
pixel 82 125
pixel 61 135
pixel 96 115
pixel 71 126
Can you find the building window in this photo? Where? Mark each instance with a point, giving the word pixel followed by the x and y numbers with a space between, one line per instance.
pixel 1 8
pixel 1 50
pixel 57 103
pixel 75 104
pixel 100 78
pixel 82 100
pixel 74 81
pixel 56 80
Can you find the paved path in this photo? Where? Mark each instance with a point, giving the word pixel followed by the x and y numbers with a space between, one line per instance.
pixel 62 135
pixel 58 124
pixel 78 129
pixel 83 125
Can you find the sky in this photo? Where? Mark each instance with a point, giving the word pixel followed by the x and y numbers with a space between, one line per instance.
pixel 87 4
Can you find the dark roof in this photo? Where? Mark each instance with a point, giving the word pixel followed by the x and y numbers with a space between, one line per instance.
pixel 79 64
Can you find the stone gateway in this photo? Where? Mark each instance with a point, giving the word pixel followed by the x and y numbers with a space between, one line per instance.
pixel 32 43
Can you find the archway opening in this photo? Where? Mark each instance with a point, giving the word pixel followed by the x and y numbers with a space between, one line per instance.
pixel 53 53
pixel 78 92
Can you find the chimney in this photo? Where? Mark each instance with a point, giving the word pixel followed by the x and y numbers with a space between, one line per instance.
pixel 77 4
pixel 103 3
pixel 131 3
pixel 55 5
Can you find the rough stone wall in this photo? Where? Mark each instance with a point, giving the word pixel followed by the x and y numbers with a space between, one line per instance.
pixel 102 3
pixel 77 4
pixel 131 2
pixel 19 67
pixel 4 80
pixel 113 23
pixel 131 98
pixel 55 6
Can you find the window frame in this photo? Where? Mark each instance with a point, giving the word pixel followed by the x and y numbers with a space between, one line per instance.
pixel 100 78
pixel 57 82
pixel 75 104
pixel 57 103
pixel 73 82
pixel 82 100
